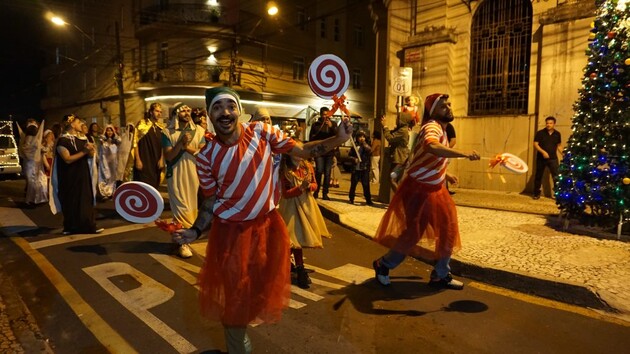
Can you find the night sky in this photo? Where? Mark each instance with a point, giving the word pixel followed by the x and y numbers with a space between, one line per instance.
pixel 23 31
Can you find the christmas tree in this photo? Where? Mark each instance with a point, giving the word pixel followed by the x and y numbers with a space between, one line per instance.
pixel 594 180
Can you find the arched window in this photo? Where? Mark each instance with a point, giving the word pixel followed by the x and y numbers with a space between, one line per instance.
pixel 500 58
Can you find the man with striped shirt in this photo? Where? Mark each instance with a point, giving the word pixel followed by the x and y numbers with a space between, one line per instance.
pixel 422 208
pixel 246 273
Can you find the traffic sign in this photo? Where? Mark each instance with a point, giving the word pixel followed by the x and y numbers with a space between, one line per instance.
pixel 401 81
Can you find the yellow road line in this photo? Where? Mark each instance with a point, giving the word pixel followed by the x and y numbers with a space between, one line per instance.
pixel 90 318
pixel 550 303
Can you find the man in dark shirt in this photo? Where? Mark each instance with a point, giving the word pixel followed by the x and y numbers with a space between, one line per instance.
pixel 547 143
pixel 324 128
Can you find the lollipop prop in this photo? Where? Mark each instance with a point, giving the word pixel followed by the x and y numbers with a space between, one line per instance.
pixel 138 202
pixel 328 78
pixel 508 161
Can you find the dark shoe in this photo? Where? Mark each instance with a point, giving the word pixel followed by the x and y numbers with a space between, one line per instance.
pixel 351 201
pixel 451 192
pixel 326 197
pixel 302 277
pixel 381 273
pixel 369 203
pixel 446 283
pixel 536 196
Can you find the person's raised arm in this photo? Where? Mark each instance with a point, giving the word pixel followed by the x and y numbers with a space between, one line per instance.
pixel 319 147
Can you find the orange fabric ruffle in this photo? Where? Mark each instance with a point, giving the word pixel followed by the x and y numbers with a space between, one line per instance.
pixel 246 273
pixel 418 214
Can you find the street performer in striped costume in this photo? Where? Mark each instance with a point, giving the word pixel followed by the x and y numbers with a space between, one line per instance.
pixel 422 208
pixel 246 273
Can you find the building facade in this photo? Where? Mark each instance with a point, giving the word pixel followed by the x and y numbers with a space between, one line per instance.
pixel 173 50
pixel 505 64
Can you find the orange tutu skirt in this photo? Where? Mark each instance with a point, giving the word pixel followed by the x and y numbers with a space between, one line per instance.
pixel 246 273
pixel 420 215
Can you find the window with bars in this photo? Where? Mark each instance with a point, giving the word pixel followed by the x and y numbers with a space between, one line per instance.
pixel 322 28
pixel 337 30
pixel 500 58
pixel 298 68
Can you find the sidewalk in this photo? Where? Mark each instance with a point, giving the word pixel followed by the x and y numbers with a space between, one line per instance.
pixel 515 242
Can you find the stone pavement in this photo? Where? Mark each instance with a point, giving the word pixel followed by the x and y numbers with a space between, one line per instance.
pixel 515 242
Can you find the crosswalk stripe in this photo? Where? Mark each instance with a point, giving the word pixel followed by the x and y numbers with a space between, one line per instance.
pixel 305 294
pixel 327 284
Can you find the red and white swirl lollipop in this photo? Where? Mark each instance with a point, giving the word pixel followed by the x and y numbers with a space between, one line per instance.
pixel 328 75
pixel 138 202
pixel 511 162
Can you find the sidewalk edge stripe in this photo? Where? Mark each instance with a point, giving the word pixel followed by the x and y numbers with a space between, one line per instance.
pixel 90 318
pixel 80 237
pixel 591 313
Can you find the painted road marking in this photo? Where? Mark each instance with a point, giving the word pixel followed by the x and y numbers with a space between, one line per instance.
pixel 550 303
pixel 105 334
pixel 139 300
pixel 15 221
pixel 350 273
pixel 80 237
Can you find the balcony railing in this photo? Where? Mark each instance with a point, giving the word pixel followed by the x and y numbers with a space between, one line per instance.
pixel 190 14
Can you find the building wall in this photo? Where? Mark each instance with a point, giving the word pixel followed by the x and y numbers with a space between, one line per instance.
pixel 442 37
pixel 266 48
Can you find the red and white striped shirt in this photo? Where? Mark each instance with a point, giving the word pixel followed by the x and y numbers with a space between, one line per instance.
pixel 425 167
pixel 241 175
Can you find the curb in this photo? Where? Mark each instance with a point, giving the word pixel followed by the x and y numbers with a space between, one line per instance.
pixel 573 294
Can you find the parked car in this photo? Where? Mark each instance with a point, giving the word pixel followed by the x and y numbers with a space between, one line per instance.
pixel 9 158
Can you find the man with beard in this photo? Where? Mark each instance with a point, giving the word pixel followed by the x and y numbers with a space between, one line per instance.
pixel 181 141
pixel 246 272
pixel 422 207
pixel 147 152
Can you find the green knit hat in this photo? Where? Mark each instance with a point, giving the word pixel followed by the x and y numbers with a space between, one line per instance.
pixel 216 93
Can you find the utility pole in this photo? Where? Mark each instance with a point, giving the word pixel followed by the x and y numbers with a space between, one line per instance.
pixel 119 79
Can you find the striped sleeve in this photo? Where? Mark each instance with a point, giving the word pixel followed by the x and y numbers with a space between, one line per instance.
pixel 431 133
pixel 207 182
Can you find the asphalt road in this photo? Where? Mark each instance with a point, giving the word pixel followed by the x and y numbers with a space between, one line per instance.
pixel 123 291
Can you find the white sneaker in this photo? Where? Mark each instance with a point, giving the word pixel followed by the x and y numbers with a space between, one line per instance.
pixel 184 251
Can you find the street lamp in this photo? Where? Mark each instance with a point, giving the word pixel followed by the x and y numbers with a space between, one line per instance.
pixel 272 8
pixel 272 11
pixel 60 22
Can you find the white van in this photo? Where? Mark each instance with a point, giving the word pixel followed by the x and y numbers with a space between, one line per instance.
pixel 9 158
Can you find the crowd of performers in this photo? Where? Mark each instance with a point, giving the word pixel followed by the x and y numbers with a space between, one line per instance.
pixel 251 188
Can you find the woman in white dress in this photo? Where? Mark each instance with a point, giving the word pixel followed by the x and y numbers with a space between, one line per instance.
pixel 108 158
pixel 36 181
